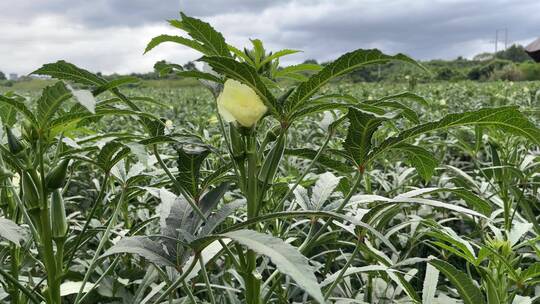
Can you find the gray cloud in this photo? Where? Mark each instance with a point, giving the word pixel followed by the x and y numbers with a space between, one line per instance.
pixel 109 35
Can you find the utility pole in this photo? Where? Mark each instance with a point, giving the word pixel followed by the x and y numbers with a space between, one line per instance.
pixel 497 31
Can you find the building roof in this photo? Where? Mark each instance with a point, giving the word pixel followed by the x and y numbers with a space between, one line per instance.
pixel 534 46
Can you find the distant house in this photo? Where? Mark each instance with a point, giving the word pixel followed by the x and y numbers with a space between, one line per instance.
pixel 533 50
pixel 13 76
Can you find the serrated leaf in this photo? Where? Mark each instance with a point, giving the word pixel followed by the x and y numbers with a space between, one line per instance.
pixel 359 134
pixel 471 199
pixel 12 232
pixel 217 218
pixel 50 101
pixel 470 294
pixel 176 39
pixel 286 258
pixel 111 153
pixel 278 54
pixel 424 162
pixel 201 31
pixel 508 119
pixel 324 187
pixel 8 114
pixel 295 69
pixel 144 247
pixel 343 65
pixel 532 271
pixel 189 165
pixel 19 106
pixel 86 99
pixel 199 75
pixel 244 73
pixel 67 71
pixel 323 160
pixel 115 83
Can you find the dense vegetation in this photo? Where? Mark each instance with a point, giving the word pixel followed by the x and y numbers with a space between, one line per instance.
pixel 342 193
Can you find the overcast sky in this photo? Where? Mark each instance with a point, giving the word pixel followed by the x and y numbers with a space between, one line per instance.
pixel 110 35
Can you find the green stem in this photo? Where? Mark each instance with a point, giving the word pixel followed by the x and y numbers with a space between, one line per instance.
pixel 53 282
pixel 49 258
pixel 79 238
pixel 342 272
pixel 352 191
pixel 33 296
pixel 178 281
pixel 207 281
pixel 312 237
pixel 253 282
pixel 104 240
pixel 306 171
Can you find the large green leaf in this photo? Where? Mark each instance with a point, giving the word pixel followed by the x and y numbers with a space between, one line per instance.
pixel 8 113
pixel 430 284
pixel 111 153
pixel 471 199
pixel 508 119
pixel 323 160
pixel 424 162
pixel 50 101
pixel 341 66
pixel 359 135
pixel 212 40
pixel 189 167
pixel 11 231
pixel 244 73
pixel 19 106
pixel 144 247
pixel 68 71
pixel 176 39
pixel 469 292
pixel 286 258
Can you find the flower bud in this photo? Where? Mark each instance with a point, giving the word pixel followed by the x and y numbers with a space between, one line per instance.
pixel 14 144
pixel 58 215
pixel 29 132
pixel 30 191
pixel 237 143
pixel 238 102
pixel 57 176
pixel 271 162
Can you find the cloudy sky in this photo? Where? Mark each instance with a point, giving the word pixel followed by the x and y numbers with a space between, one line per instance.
pixel 110 35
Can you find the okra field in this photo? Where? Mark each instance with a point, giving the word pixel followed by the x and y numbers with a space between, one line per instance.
pixel 266 183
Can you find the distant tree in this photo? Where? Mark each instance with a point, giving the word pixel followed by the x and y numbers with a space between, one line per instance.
pixel 515 53
pixel 484 72
pixel 530 70
pixel 2 76
pixel 311 61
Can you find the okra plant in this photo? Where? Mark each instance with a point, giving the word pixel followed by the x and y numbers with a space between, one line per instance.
pixel 231 225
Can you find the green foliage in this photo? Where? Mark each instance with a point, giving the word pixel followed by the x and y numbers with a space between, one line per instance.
pixel 395 192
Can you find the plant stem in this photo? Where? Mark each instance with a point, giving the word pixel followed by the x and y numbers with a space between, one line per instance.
pixel 306 171
pixel 53 281
pixel 78 241
pixel 104 239
pixel 207 281
pixel 31 295
pixel 253 283
pixel 178 281
pixel 352 191
pixel 342 272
